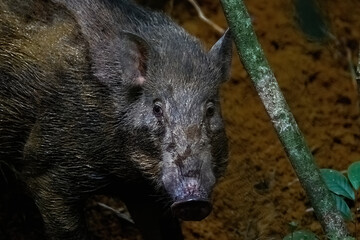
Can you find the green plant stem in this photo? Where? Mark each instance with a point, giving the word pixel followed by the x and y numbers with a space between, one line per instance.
pixel 284 123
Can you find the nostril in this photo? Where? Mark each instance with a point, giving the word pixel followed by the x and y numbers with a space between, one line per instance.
pixel 192 209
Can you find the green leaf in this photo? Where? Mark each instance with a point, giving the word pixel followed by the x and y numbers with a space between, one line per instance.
pixel 337 183
pixel 354 175
pixel 343 207
pixel 301 235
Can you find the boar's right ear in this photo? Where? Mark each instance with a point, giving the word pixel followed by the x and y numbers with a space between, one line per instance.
pixel 221 53
pixel 140 51
pixel 121 60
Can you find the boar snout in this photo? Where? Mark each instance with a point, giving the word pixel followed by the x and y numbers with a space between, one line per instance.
pixel 191 209
pixel 190 187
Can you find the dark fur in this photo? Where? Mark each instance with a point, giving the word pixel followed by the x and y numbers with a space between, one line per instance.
pixel 79 81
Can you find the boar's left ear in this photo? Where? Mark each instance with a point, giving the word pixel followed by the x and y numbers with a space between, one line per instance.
pixel 221 53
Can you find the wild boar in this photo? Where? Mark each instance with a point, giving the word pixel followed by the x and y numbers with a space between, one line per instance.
pixel 106 97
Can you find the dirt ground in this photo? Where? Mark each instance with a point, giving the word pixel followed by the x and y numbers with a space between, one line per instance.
pixel 259 195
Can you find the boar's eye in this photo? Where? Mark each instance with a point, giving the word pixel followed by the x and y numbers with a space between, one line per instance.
pixel 210 109
pixel 157 109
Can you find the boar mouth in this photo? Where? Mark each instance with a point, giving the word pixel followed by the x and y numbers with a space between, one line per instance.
pixel 191 209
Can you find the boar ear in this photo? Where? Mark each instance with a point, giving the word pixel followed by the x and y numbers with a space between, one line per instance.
pixel 122 60
pixel 140 51
pixel 221 53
